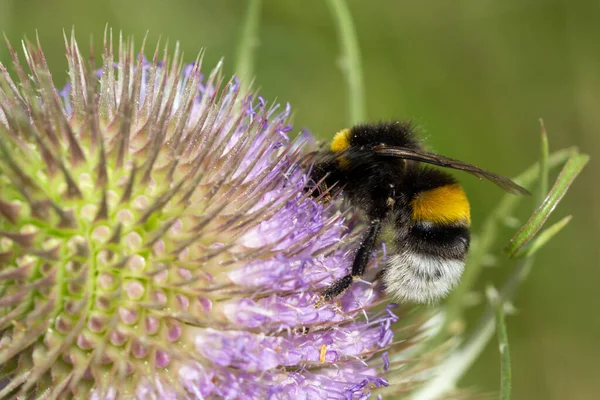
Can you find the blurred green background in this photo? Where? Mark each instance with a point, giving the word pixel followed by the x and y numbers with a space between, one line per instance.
pixel 474 75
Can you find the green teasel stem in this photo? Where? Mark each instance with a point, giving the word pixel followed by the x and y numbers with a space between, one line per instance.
pixel 249 40
pixel 505 367
pixel 351 60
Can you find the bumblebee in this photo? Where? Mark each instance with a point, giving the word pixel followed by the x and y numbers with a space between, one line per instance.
pixel 380 170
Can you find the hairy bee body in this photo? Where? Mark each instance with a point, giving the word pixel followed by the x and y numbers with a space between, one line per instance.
pixel 380 170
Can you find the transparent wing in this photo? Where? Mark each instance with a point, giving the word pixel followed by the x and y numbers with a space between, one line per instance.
pixel 447 162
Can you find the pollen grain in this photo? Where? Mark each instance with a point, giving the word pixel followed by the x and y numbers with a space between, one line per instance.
pixel 341 141
pixel 323 353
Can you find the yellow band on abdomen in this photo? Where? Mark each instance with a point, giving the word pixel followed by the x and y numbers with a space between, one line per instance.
pixel 444 205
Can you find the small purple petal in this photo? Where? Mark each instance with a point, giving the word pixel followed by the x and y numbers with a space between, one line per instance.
pixel 386 360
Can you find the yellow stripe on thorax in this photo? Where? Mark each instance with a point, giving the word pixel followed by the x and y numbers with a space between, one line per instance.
pixel 341 141
pixel 444 205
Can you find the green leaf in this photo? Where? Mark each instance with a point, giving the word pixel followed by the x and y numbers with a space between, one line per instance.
pixel 543 237
pixel 566 177
pixel 351 60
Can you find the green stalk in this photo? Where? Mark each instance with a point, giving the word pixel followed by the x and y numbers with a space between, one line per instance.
pixel 244 63
pixel 544 170
pixel 351 60
pixel 505 368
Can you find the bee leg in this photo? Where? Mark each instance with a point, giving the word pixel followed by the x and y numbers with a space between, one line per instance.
pixel 360 262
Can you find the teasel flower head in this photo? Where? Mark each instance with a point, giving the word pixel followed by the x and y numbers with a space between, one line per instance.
pixel 158 240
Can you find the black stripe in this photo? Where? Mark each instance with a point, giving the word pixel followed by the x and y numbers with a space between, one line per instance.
pixel 446 241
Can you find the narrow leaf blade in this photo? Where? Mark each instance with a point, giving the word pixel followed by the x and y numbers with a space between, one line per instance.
pixel 566 177
pixel 544 237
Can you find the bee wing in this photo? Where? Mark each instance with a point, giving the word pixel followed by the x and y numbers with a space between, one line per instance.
pixel 447 162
